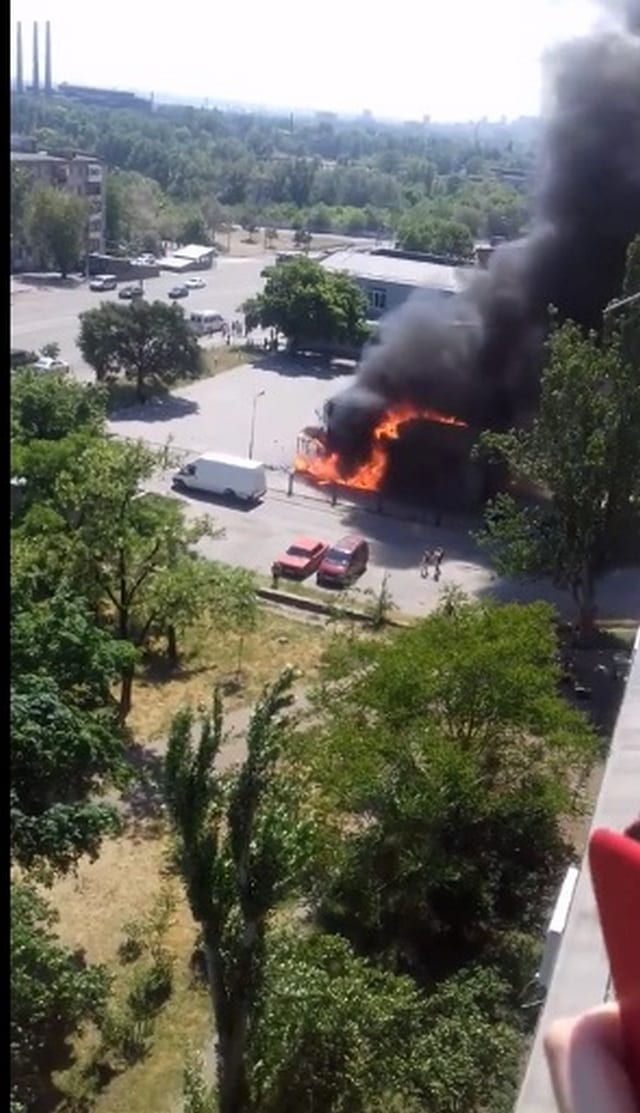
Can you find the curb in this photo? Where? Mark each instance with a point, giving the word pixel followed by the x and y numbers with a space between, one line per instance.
pixel 316 606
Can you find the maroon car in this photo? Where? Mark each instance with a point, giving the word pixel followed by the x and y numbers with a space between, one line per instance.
pixel 301 558
pixel 344 562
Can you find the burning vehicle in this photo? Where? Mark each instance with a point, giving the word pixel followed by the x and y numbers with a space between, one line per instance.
pixel 440 374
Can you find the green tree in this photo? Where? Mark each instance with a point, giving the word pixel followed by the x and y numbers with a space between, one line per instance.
pixel 583 455
pixel 242 844
pixel 302 238
pixel 444 237
pixel 456 761
pixel 21 187
pixel 53 995
pixel 66 745
pixel 336 1033
pixel 308 304
pixel 148 341
pixel 623 317
pixel 117 541
pixel 56 226
pixel 50 407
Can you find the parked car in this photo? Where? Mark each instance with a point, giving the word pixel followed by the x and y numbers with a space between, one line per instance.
pixel 178 292
pixel 344 562
pixel 129 293
pixel 47 363
pixel 195 283
pixel 302 557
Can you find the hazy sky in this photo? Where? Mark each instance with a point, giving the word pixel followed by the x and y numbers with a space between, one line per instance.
pixel 451 59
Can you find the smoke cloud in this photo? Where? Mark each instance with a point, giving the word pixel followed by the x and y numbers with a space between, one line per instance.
pixel 477 355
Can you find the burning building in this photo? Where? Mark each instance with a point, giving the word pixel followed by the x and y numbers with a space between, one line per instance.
pixel 473 361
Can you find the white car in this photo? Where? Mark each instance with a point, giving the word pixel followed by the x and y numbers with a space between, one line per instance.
pixel 47 363
pixel 195 283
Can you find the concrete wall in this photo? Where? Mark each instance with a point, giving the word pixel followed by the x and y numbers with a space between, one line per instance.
pixel 394 295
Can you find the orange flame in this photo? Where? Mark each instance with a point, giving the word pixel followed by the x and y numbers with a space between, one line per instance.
pixel 369 476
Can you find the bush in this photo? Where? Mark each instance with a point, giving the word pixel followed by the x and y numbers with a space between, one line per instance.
pixel 125 1037
pixel 151 986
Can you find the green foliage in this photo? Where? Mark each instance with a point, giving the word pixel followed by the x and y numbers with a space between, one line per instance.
pixel 583 456
pixel 243 843
pixel 147 341
pixel 56 225
pixel 50 407
pixel 336 1033
pixel 53 994
pixel 66 744
pixel 308 304
pixel 456 761
pixel 443 237
pixel 380 603
pixel 198 1094
pixel 152 985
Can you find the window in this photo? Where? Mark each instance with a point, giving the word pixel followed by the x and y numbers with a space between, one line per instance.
pixel 378 299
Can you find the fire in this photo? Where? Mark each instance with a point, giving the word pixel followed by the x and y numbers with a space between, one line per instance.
pixel 369 476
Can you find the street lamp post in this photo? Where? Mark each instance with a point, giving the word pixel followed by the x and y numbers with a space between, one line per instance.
pixel 253 421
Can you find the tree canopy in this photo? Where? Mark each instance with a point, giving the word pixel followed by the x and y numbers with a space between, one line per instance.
pixel 453 759
pixel 307 304
pixel 182 167
pixel 53 993
pixel 582 453
pixel 56 226
pixel 147 341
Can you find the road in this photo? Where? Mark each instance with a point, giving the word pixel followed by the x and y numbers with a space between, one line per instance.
pixel 50 314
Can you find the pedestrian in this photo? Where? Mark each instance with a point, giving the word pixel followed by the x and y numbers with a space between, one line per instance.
pixel 424 564
pixel 438 556
pixel 276 572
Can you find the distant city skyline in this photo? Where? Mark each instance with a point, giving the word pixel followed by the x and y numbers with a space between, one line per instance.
pixel 461 61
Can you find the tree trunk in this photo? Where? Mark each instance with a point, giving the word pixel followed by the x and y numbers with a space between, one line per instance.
pixel 587 609
pixel 230 1017
pixel 125 692
pixel 140 395
pixel 172 646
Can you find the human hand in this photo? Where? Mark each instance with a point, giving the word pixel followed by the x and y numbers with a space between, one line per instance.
pixel 586 1062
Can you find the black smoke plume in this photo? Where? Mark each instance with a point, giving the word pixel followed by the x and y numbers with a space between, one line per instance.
pixel 477 355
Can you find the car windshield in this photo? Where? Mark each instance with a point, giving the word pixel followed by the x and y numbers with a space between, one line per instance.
pixel 337 556
pixel 297 550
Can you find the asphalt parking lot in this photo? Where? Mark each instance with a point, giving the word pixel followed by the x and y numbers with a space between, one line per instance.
pixel 46 314
pixel 285 396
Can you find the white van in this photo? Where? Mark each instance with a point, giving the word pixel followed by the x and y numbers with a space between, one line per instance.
pixel 103 282
pixel 219 474
pixel 205 322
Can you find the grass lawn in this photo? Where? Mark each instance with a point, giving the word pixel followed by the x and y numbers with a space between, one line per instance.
pixel 209 659
pixel 94 905
pixel 124 883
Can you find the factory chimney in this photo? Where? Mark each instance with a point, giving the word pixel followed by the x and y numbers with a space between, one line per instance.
pixel 19 72
pixel 35 73
pixel 47 58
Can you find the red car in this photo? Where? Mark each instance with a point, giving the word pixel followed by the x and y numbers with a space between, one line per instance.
pixel 302 558
pixel 343 562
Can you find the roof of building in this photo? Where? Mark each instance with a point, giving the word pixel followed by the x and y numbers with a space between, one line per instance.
pixel 175 263
pixel 193 251
pixel 34 156
pixel 403 271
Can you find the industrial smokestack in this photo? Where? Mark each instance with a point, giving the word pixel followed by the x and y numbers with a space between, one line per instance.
pixel 479 355
pixel 19 70
pixel 47 57
pixel 35 73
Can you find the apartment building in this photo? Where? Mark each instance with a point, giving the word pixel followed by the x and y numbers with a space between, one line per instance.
pixel 74 172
